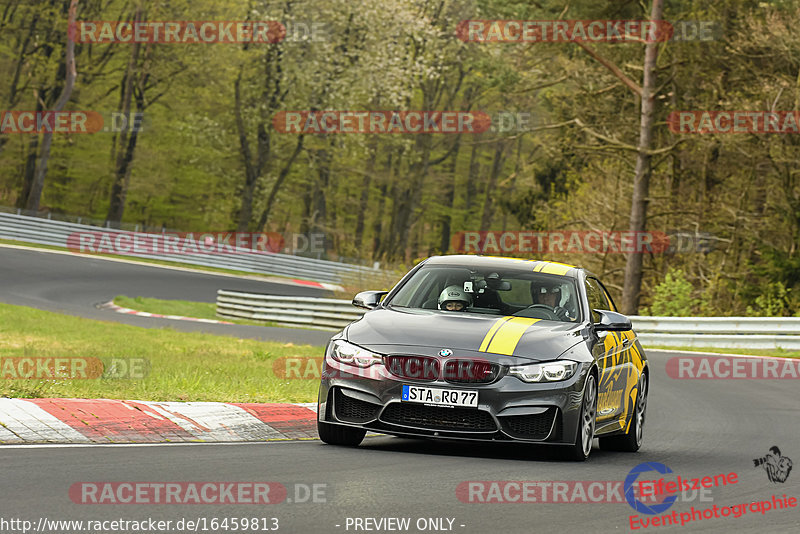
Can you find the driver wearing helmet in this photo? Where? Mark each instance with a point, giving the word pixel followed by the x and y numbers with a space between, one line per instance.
pixel 453 298
pixel 549 294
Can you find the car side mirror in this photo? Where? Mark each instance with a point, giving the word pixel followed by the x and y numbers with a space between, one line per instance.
pixel 612 321
pixel 368 299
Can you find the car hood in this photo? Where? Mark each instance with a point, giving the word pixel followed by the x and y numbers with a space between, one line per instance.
pixel 426 332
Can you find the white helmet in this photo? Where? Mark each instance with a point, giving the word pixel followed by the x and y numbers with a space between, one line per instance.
pixel 544 287
pixel 453 294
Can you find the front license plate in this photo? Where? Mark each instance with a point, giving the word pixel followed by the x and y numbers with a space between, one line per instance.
pixel 441 397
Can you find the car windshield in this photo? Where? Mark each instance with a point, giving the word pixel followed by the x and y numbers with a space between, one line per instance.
pixel 491 291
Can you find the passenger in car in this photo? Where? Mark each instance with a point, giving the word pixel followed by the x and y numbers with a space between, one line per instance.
pixel 453 298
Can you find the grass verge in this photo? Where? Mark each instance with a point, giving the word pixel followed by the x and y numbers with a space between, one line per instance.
pixel 186 308
pixel 780 353
pixel 181 366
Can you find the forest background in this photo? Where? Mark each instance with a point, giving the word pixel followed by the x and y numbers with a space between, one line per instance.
pixel 208 158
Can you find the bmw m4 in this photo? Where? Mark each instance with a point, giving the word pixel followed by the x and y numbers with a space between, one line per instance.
pixel 489 349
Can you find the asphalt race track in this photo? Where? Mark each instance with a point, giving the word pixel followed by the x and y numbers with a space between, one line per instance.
pixel 75 285
pixel 696 427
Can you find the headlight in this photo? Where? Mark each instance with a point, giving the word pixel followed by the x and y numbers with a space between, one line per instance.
pixel 345 352
pixel 544 372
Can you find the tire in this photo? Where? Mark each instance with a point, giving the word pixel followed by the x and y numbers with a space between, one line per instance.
pixel 632 440
pixel 580 450
pixel 340 435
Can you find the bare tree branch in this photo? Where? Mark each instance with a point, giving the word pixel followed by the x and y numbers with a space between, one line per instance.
pixel 613 68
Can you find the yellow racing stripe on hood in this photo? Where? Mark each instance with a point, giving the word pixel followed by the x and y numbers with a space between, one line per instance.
pixel 490 334
pixel 508 335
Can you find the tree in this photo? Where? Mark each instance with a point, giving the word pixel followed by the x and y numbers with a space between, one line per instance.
pixel 641 180
pixel 149 66
pixel 37 184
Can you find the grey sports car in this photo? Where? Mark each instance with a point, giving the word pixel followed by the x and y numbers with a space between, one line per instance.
pixel 490 349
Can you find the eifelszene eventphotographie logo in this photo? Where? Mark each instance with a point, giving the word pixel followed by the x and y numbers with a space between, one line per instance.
pixel 777 467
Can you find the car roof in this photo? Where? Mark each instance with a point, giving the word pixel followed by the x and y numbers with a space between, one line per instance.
pixel 489 262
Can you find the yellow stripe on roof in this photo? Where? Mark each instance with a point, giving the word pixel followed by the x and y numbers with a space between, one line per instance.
pixel 555 268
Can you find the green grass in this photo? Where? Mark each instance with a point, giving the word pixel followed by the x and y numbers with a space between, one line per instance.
pixel 200 310
pixel 781 353
pixel 182 366
pixel 186 308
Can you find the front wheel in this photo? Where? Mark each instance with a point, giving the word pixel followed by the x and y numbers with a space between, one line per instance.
pixel 340 435
pixel 632 440
pixel 579 451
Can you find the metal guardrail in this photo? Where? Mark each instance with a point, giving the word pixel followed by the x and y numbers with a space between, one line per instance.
pixel 326 314
pixel 718 325
pixel 52 232
pixel 723 332
pixel 732 341
pixel 726 332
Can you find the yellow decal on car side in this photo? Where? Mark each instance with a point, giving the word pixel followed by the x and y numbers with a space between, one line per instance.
pixel 632 380
pixel 636 356
pixel 630 413
pixel 612 398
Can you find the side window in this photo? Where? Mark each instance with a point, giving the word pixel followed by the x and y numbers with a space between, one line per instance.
pixel 611 305
pixel 597 298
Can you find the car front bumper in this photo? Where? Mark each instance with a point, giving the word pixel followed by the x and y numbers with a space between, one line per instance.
pixel 508 409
